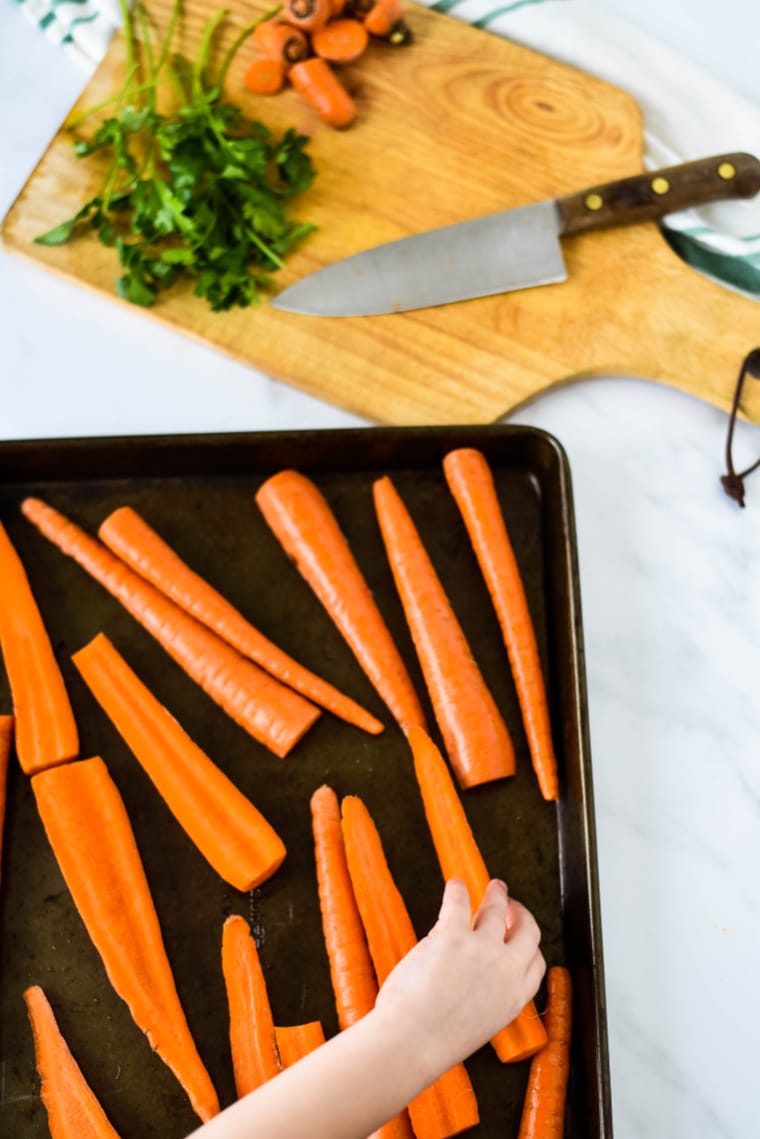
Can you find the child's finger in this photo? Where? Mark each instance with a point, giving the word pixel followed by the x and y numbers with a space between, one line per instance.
pixel 455 907
pixel 492 912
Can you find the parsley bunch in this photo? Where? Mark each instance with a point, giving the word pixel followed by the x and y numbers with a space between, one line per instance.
pixel 202 192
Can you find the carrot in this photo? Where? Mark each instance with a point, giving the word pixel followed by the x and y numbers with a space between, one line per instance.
pixel 307 14
pixel 298 1040
pixel 476 737
pixel 88 829
pixel 351 970
pixel 315 80
pixel 340 41
pixel 337 8
pixel 308 531
pixel 252 1037
pixel 471 482
pixel 459 857
pixel 271 713
pixel 265 76
pixel 543 1114
pixel 6 740
pixel 225 826
pixel 448 1106
pixel 131 538
pixel 278 40
pixel 46 732
pixel 72 1109
pixel 382 17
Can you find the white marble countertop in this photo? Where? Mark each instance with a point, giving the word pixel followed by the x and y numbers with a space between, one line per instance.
pixel 671 600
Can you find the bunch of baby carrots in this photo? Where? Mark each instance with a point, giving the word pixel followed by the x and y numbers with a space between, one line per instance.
pixel 309 38
pixel 276 700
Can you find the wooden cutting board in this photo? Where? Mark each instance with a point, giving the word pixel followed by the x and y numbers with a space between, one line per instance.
pixel 458 124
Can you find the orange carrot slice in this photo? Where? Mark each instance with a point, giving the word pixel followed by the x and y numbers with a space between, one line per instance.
pixel 459 857
pixel 316 81
pixel 298 1040
pixel 302 521
pixel 131 538
pixel 228 830
pixel 46 732
pixel 543 1114
pixel 448 1106
pixel 271 713
pixel 88 829
pixel 471 482
pixel 340 41
pixel 265 76
pixel 476 737
pixel 72 1108
pixel 252 1039
pixel 278 40
pixel 307 14
pixel 382 17
pixel 6 741
pixel 351 970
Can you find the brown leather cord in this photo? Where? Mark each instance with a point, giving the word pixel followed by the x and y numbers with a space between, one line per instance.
pixel 733 481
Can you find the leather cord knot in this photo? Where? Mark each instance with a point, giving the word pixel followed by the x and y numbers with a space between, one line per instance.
pixel 733 481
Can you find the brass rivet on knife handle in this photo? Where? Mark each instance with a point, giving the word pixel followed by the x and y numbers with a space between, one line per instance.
pixel 646 197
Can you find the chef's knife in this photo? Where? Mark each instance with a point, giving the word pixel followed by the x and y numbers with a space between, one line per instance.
pixel 514 249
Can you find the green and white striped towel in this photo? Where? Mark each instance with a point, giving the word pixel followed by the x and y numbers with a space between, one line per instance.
pixel 723 240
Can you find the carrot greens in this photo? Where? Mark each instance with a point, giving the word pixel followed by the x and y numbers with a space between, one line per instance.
pixel 199 192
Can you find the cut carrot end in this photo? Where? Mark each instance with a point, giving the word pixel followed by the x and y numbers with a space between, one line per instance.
pixel 252 1036
pixel 265 76
pixel 298 1040
pixel 315 80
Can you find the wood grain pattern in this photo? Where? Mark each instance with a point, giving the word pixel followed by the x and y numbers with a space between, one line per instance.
pixel 459 124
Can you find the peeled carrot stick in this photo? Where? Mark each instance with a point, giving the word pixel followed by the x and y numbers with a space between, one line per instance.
pixel 475 735
pixel 252 1037
pixel 318 84
pixel 131 538
pixel 543 1114
pixel 265 76
pixel 340 41
pixel 72 1108
pixel 448 1106
pixel 298 1040
pixel 225 826
pixel 87 826
pixel 302 521
pixel 271 713
pixel 471 482
pixel 46 732
pixel 6 740
pixel 459 857
pixel 307 14
pixel 382 16
pixel 351 970
pixel 278 40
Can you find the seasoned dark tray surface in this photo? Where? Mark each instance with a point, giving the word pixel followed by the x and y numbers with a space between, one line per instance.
pixel 198 494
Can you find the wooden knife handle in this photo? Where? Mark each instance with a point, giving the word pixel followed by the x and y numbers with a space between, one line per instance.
pixel 656 193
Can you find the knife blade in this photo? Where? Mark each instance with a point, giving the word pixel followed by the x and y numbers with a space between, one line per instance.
pixel 514 249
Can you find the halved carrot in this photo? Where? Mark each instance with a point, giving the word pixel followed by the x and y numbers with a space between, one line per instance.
pixel 131 538
pixel 459 857
pixel 476 738
pixel 72 1108
pixel 252 1038
pixel 271 713
pixel 88 829
pixel 228 830
pixel 298 1040
pixel 351 971
pixel 543 1114
pixel 471 483
pixel 383 16
pixel 46 732
pixel 302 521
pixel 6 741
pixel 448 1106
pixel 307 14
pixel 265 76
pixel 278 40
pixel 315 80
pixel 340 41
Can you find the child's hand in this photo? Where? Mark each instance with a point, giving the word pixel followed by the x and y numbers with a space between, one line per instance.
pixel 468 978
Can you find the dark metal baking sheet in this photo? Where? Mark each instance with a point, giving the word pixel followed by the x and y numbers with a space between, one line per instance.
pixel 198 493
